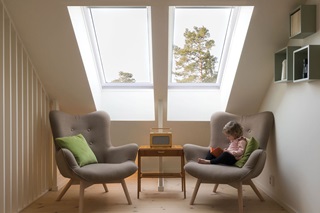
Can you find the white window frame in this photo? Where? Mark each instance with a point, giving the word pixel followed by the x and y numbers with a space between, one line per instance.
pixel 224 55
pixel 212 98
pixel 94 43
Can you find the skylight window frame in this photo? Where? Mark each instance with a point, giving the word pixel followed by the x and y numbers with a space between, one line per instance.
pixel 193 104
pixel 227 40
pixel 98 59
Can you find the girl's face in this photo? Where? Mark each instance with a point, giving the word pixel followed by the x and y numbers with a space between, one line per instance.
pixel 229 137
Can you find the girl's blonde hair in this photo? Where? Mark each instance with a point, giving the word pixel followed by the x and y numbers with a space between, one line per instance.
pixel 233 128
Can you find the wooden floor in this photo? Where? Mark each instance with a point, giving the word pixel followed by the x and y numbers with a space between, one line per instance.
pixel 152 201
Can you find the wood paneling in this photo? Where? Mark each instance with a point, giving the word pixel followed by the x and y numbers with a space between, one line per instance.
pixel 25 137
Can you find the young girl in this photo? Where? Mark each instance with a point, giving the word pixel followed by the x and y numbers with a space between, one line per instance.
pixel 233 131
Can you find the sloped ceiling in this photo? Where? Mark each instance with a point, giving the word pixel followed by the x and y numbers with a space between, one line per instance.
pixel 268 32
pixel 45 29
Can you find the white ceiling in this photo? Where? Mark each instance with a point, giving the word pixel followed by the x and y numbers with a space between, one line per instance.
pixel 45 30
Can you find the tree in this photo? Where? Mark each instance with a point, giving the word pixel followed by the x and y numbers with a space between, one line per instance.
pixel 194 62
pixel 124 77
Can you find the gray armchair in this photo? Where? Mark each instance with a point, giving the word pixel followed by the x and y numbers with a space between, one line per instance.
pixel 114 163
pixel 258 126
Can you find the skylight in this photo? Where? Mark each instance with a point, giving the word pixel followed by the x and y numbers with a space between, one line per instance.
pixel 123 41
pixel 130 70
pixel 199 38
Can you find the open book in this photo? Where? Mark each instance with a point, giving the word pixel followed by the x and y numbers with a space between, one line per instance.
pixel 216 151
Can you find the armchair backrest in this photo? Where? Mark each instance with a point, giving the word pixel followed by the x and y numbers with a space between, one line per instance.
pixel 256 125
pixel 95 127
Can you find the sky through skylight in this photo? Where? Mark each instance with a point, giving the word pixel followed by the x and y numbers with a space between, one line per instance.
pixel 123 40
pixel 215 19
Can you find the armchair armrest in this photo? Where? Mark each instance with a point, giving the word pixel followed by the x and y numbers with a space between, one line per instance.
pixel 256 162
pixel 66 162
pixel 69 158
pixel 122 153
pixel 192 152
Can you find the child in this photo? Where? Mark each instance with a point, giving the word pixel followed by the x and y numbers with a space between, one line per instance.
pixel 234 132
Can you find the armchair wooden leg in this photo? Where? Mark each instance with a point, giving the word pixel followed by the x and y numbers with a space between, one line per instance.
pixel 125 189
pixel 240 198
pixel 195 191
pixel 65 189
pixel 81 196
pixel 215 187
pixel 105 187
pixel 256 190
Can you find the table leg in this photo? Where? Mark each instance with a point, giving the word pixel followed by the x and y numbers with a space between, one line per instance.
pixel 139 176
pixel 183 176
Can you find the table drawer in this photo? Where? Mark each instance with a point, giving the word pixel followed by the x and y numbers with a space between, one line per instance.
pixel 151 152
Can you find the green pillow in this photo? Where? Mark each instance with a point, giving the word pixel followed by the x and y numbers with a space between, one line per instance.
pixel 79 147
pixel 252 145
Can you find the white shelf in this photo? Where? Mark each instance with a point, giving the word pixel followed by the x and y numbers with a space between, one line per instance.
pixel 311 54
pixel 284 54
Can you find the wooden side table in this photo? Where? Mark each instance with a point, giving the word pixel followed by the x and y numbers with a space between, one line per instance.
pixel 174 151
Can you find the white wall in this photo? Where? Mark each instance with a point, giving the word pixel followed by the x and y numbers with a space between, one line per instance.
pixel 293 153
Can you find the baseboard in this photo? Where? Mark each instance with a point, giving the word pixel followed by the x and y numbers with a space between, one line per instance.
pixel 36 198
pixel 60 184
pixel 274 197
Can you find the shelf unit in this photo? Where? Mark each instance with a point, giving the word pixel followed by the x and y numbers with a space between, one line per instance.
pixel 311 53
pixel 279 57
pixel 303 21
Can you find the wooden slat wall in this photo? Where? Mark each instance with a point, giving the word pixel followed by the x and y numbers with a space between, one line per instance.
pixel 25 138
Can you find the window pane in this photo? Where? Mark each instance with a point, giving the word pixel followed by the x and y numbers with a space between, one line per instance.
pixel 198 40
pixel 123 40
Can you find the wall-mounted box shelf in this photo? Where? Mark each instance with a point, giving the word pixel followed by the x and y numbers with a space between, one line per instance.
pixel 284 66
pixel 309 71
pixel 303 21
